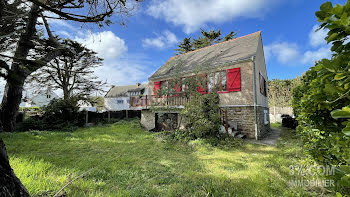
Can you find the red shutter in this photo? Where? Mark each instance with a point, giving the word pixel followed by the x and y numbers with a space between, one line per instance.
pixel 234 79
pixel 201 89
pixel 156 87
pixel 177 87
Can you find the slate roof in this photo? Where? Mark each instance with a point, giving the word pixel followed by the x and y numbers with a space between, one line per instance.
pixel 121 91
pixel 212 56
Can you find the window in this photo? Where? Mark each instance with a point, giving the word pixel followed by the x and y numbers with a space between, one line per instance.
pixel 120 101
pixel 223 80
pixel 217 81
pixel 263 88
pixel 48 96
pixel 183 86
pixel 128 100
pixel 266 120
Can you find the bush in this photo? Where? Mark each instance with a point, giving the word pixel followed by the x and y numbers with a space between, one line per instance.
pixel 202 115
pixel 59 114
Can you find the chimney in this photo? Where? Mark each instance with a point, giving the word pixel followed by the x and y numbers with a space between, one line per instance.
pixel 112 86
pixel 138 85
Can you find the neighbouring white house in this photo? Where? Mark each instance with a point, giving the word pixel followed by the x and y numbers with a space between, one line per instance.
pixel 86 106
pixel 118 97
pixel 42 98
pixel 25 102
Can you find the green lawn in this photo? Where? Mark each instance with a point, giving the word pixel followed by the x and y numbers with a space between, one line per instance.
pixel 128 161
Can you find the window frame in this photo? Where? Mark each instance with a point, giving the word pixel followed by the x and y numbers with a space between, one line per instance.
pixel 212 76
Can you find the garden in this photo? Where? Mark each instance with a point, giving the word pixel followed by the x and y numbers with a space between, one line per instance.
pixel 122 159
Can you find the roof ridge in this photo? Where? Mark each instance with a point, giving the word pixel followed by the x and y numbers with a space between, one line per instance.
pixel 214 45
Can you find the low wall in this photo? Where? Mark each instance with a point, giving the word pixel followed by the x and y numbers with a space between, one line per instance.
pixel 148 119
pixel 277 112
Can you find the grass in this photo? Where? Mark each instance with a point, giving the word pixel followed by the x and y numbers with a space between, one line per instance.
pixel 128 161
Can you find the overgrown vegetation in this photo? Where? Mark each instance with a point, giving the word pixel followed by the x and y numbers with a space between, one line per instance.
pixel 128 161
pixel 59 114
pixel 280 91
pixel 202 115
pixel 322 102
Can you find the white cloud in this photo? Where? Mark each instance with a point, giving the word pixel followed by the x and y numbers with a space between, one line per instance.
pixel 106 44
pixel 284 52
pixel 119 67
pixel 196 13
pixel 310 57
pixel 289 53
pixel 166 39
pixel 316 38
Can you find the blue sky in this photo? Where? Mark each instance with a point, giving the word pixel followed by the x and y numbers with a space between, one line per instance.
pixel 133 52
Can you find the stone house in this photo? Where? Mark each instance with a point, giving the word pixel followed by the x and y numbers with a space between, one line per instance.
pixel 237 67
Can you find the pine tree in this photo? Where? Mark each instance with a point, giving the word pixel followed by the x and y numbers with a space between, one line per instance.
pixel 185 46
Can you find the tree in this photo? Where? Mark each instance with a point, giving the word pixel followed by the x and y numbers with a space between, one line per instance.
pixel 22 64
pixel 206 38
pixel 230 36
pixel 18 21
pixel 72 72
pixel 185 46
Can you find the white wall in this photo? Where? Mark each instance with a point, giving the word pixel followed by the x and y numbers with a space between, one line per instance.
pixel 111 104
pixel 42 100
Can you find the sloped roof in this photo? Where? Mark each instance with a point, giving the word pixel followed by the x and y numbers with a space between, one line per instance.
pixel 118 91
pixel 212 56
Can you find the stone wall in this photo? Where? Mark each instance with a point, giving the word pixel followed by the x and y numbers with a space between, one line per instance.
pixel 148 120
pixel 245 118
pixel 277 112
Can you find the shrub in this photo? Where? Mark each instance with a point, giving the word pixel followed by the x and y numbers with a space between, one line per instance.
pixel 202 115
pixel 59 114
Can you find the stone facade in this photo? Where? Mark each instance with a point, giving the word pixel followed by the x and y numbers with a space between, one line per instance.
pixel 148 119
pixel 244 116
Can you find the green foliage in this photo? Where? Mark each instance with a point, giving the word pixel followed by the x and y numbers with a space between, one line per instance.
pixel 97 101
pixel 59 114
pixel 230 36
pixel 185 46
pixel 35 109
pixel 280 91
pixel 202 115
pixel 321 100
pixel 206 38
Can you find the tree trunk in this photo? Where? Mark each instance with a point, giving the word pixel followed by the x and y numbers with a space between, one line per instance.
pixel 11 186
pixel 13 89
pixel 10 105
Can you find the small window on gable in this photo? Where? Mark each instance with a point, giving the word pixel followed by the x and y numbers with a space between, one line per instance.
pixel 48 96
pixel 262 82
